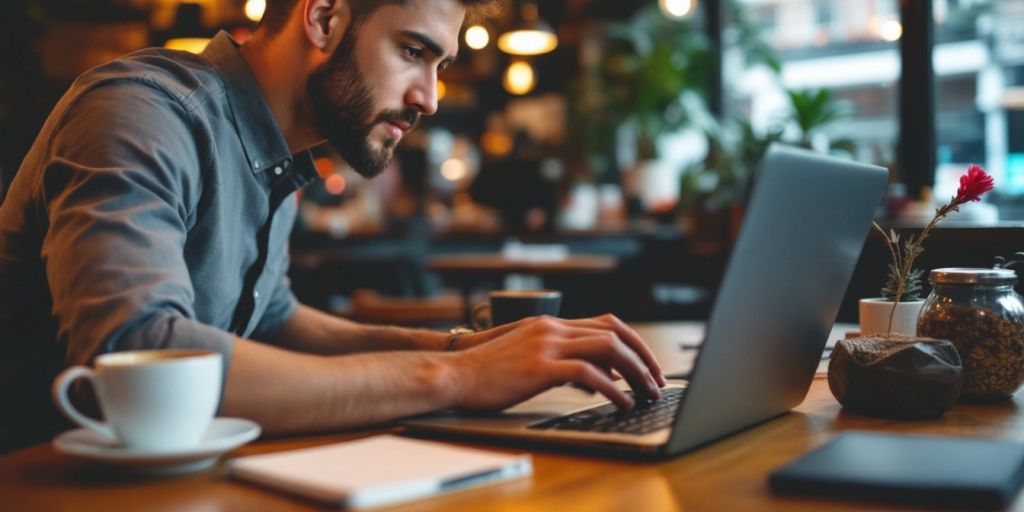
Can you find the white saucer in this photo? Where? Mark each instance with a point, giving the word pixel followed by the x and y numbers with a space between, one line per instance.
pixel 224 434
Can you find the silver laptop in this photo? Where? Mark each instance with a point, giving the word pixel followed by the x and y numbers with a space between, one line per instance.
pixel 802 235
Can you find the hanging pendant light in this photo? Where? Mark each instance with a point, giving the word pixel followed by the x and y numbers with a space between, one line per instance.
pixel 519 78
pixel 477 37
pixel 531 37
pixel 677 9
pixel 254 9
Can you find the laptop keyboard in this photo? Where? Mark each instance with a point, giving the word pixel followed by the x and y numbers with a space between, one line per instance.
pixel 648 416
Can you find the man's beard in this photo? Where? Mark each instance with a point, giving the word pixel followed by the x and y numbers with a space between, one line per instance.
pixel 342 104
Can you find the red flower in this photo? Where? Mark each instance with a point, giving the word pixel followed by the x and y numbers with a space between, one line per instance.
pixel 901 271
pixel 972 185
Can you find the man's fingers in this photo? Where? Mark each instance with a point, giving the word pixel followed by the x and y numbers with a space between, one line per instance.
pixel 632 339
pixel 598 342
pixel 628 336
pixel 608 326
pixel 605 349
pixel 611 374
pixel 587 375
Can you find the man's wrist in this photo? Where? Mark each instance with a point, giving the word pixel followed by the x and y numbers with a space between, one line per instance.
pixel 449 378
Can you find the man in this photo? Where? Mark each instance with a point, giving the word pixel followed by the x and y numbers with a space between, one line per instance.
pixel 154 208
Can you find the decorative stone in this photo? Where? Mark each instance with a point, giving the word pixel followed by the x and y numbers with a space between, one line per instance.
pixel 895 376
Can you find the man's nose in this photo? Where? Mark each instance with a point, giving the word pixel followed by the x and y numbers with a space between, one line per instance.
pixel 423 96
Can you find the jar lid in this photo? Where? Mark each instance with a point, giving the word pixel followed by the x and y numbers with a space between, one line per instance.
pixel 973 276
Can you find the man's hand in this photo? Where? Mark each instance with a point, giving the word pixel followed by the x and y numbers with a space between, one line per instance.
pixel 514 362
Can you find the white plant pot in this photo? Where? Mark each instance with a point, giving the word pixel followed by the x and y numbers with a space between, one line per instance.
pixel 874 317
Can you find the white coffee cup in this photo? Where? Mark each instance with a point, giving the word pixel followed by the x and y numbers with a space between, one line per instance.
pixel 156 400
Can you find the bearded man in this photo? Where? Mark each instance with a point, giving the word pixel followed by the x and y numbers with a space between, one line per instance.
pixel 154 209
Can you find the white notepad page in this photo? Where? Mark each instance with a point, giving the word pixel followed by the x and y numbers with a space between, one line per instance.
pixel 378 470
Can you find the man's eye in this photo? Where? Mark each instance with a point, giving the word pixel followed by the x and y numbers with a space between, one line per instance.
pixel 413 52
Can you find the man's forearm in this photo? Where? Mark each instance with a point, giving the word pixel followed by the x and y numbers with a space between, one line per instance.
pixel 288 392
pixel 313 331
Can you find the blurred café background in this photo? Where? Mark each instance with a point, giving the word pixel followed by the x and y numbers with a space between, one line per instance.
pixel 606 148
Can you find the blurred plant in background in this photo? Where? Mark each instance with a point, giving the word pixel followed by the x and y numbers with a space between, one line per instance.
pixel 650 79
pixel 652 65
pixel 737 147
pixel 713 192
pixel 637 85
pixel 813 111
pixel 723 178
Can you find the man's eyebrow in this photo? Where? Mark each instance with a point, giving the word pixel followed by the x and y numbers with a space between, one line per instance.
pixel 429 43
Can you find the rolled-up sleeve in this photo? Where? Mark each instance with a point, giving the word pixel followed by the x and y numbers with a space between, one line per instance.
pixel 121 175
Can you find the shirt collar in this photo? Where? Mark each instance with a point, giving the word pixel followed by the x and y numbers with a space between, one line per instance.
pixel 257 128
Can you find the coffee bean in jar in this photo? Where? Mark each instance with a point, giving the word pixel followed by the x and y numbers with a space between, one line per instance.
pixel 980 313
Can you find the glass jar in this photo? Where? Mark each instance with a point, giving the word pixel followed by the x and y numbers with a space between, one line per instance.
pixel 979 312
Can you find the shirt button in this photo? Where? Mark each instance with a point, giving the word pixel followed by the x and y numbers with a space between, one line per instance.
pixel 287 163
pixel 278 170
pixel 256 295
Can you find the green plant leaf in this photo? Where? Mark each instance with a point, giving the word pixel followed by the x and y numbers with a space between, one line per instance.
pixel 912 288
pixel 892 283
pixel 813 110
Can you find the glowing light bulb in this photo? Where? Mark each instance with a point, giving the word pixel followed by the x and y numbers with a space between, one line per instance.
pixel 496 143
pixel 519 78
pixel 335 184
pixel 676 8
pixel 254 9
pixel 454 169
pixel 189 44
pixel 477 37
pixel 528 42
pixel 324 167
pixel 442 90
pixel 891 30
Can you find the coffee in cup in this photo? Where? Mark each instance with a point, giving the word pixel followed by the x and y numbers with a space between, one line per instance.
pixel 506 306
pixel 158 400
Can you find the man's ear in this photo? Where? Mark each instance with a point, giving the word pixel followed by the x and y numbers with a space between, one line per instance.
pixel 325 21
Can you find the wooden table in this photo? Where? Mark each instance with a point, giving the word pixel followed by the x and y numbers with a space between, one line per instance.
pixel 730 475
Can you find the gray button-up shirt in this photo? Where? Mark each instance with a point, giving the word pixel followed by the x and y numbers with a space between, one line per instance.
pixel 153 211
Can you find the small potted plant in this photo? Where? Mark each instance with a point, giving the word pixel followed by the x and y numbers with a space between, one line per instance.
pixel 897 310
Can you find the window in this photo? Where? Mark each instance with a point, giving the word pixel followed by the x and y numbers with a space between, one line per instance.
pixel 844 47
pixel 979 72
pixel 766 16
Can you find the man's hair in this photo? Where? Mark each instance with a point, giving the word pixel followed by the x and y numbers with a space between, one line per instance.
pixel 276 15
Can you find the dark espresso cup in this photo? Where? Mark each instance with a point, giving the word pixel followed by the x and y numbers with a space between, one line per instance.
pixel 505 306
